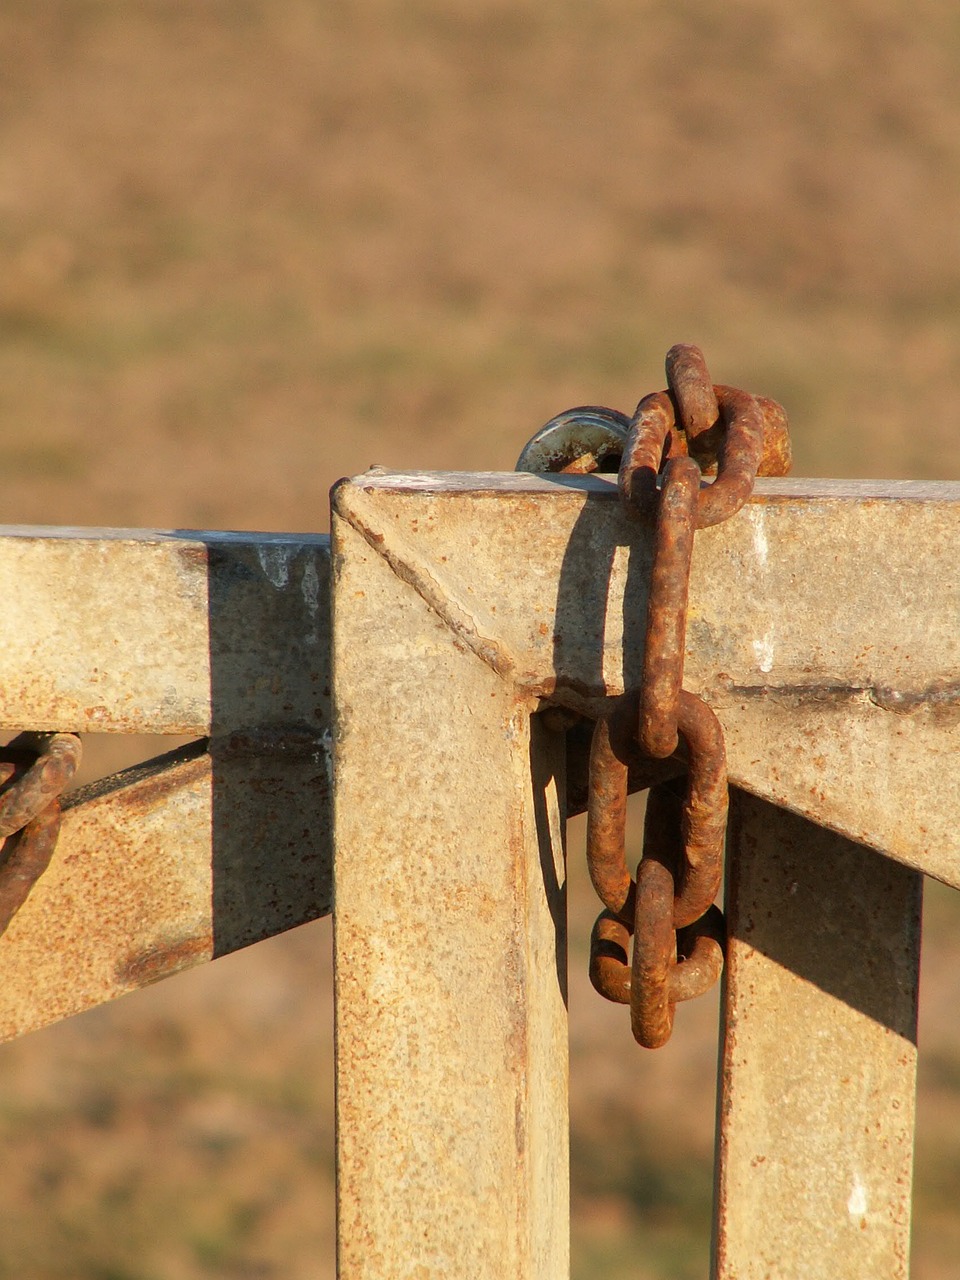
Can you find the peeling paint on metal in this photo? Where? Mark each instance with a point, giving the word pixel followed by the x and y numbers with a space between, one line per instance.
pixel 275 562
pixel 857 1202
pixel 765 649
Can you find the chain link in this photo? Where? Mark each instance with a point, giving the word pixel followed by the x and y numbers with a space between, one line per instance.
pixel 35 769
pixel 678 931
pixel 675 436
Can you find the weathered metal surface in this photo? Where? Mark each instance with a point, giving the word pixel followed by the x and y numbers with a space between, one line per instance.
pixel 669 965
pixel 126 631
pixel 677 933
pixel 822 626
pixel 695 827
pixel 818 1069
pixel 704 419
pixel 703 820
pixel 697 407
pixel 642 772
pixel 681 869
pixel 611 749
pixel 610 957
pixel 450 944
pixel 163 867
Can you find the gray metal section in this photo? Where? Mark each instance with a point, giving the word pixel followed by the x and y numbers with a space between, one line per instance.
pixel 818 1068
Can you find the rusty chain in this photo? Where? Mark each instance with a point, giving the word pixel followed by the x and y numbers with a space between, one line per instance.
pixel 674 438
pixel 35 769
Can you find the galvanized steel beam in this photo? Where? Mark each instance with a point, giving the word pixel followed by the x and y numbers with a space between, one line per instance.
pixel 822 629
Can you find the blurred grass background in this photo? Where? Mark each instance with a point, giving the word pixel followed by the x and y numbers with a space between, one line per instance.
pixel 250 247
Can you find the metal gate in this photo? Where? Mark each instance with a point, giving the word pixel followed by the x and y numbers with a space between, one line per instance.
pixel 822 630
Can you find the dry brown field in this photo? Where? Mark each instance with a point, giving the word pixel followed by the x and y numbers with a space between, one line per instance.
pixel 250 247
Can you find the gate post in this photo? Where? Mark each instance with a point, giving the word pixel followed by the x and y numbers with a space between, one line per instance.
pixel 449 946
pixel 818 1063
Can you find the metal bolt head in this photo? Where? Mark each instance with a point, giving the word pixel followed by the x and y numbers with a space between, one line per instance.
pixel 578 441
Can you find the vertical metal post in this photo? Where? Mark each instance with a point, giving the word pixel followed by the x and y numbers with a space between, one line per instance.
pixel 450 948
pixel 818 1068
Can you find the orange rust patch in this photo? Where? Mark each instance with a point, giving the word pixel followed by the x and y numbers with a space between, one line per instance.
pixel 146 967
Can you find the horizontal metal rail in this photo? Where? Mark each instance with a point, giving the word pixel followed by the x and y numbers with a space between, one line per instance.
pixel 215 846
pixel 139 631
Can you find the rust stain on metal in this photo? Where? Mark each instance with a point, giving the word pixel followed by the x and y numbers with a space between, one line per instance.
pixel 654 948
pixel 465 620
pixel 652 441
pixel 739 459
pixel 678 947
pixel 143 786
pixel 697 822
pixel 485 1181
pixel 700 953
pixel 777 456
pixel 162 960
pixel 818 1069
pixel 166 622
pixel 642 772
pixel 704 812
pixel 610 958
pixel 747 436
pixel 36 770
pixel 682 833
pixel 680 873
pixel 164 866
pixel 193 558
pixel 940 699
